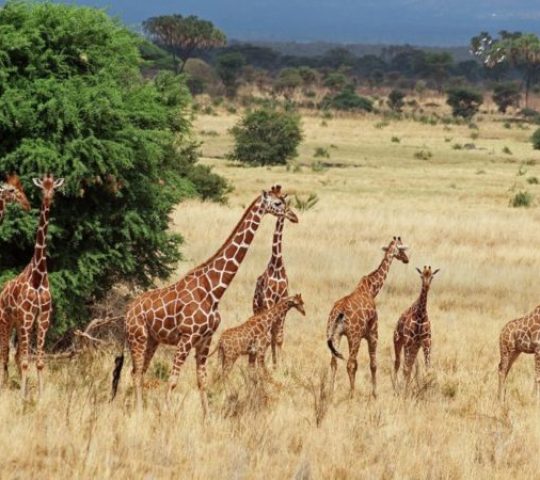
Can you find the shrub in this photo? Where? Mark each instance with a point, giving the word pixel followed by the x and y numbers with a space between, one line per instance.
pixel 304 204
pixel 465 102
pixel 75 104
pixel 321 152
pixel 348 99
pixel 532 180
pixel 535 139
pixel 266 137
pixel 423 155
pixel 506 95
pixel 507 151
pixel 396 100
pixel 395 139
pixel 521 199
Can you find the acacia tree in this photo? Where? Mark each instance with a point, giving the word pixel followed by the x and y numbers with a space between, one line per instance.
pixel 183 35
pixel 520 50
pixel 73 102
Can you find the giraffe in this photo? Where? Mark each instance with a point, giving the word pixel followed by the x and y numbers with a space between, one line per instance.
pixel 12 191
pixel 413 330
pixel 254 336
pixel 521 335
pixel 272 284
pixel 185 314
pixel 355 316
pixel 26 300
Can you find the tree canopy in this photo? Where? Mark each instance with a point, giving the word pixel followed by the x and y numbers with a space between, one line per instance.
pixel 73 102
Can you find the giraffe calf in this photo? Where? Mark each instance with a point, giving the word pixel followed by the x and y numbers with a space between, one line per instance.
pixel 254 336
pixel 413 330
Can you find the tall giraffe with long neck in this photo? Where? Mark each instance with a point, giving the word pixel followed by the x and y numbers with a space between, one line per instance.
pixel 272 285
pixel 12 191
pixel 185 314
pixel 355 316
pixel 26 300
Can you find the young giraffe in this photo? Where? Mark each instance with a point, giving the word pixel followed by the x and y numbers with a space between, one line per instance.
pixel 186 314
pixel 26 300
pixel 413 330
pixel 520 336
pixel 254 336
pixel 272 284
pixel 355 316
pixel 12 191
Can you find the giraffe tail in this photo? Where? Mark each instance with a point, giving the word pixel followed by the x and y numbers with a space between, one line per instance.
pixel 118 364
pixel 332 330
pixel 215 349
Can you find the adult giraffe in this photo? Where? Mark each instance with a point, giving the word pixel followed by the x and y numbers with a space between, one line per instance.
pixel 26 300
pixel 12 191
pixel 185 314
pixel 272 285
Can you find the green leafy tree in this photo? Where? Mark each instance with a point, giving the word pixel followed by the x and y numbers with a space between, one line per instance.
pixel 396 100
pixel 437 67
pixel 520 50
pixel 335 81
pixel 229 67
pixel 349 100
pixel 506 95
pixel 73 102
pixel 465 102
pixel 181 36
pixel 288 80
pixel 266 137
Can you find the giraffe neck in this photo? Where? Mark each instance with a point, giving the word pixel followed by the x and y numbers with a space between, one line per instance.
pixel 276 315
pixel 421 303
pixel 375 280
pixel 221 269
pixel 276 260
pixel 39 260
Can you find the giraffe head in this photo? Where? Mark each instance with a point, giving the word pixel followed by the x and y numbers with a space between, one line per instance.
pixel 11 191
pixel 48 185
pixel 427 275
pixel 397 250
pixel 297 302
pixel 275 202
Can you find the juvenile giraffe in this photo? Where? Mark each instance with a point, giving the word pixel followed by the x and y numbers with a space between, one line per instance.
pixel 355 316
pixel 520 336
pixel 185 314
pixel 254 336
pixel 413 330
pixel 272 284
pixel 12 191
pixel 26 300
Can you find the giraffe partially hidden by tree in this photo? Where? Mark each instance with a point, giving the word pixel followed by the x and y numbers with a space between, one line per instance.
pixel 185 314
pixel 355 316
pixel 12 191
pixel 520 336
pixel 413 330
pixel 254 336
pixel 272 285
pixel 26 300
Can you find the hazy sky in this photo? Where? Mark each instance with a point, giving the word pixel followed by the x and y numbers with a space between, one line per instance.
pixel 425 22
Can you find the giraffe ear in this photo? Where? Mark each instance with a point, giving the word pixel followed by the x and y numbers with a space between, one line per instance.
pixel 37 182
pixel 419 271
pixel 384 249
pixel 264 194
pixel 435 272
pixel 58 182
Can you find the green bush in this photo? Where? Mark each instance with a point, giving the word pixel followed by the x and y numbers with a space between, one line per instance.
pixel 73 102
pixel 465 102
pixel 535 139
pixel 348 99
pixel 521 199
pixel 266 137
pixel 506 95
pixel 396 100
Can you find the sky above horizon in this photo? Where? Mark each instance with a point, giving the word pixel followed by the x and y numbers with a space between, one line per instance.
pixel 419 22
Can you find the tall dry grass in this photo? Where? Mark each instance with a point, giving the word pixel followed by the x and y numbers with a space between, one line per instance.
pixel 451 427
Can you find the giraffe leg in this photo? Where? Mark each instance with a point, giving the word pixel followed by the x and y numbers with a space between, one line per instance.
pixel 277 344
pixel 4 350
pixel 42 327
pixel 182 351
pixel 398 346
pixel 372 340
pixel 352 363
pixel 201 356
pixel 507 359
pixel 410 357
pixel 426 347
pixel 151 347
pixel 22 352
pixel 137 347
pixel 537 374
pixel 333 368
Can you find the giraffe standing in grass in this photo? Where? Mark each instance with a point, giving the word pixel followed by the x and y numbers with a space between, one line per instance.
pixel 12 191
pixel 253 337
pixel 520 336
pixel 185 314
pixel 355 316
pixel 26 300
pixel 413 330
pixel 272 284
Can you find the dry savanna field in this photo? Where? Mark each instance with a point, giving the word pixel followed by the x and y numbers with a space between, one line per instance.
pixel 450 205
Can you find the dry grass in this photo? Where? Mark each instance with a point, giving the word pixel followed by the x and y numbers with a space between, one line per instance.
pixel 451 216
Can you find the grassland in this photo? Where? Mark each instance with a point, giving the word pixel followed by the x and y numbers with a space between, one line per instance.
pixel 451 208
